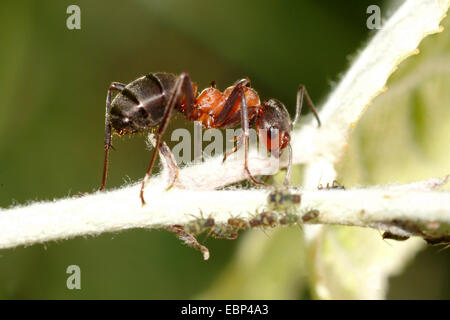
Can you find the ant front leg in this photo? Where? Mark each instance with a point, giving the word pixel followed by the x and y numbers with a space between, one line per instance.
pixel 226 110
pixel 238 141
pixel 119 87
pixel 183 87
pixel 300 94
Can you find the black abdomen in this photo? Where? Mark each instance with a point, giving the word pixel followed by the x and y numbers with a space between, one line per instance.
pixel 142 103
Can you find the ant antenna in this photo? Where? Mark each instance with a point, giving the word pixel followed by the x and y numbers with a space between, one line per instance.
pixel 300 94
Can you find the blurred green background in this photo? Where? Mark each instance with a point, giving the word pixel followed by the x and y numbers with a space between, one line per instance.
pixel 53 84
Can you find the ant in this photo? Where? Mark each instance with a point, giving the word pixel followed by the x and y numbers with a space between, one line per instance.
pixel 149 101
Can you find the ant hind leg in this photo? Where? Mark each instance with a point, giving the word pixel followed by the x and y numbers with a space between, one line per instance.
pixel 183 87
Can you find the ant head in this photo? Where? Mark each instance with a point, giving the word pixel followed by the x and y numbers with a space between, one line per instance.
pixel 274 126
pixel 121 125
pixel 125 121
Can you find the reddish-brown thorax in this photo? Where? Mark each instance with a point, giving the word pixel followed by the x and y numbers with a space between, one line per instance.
pixel 211 101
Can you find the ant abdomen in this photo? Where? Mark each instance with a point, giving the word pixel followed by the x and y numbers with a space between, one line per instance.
pixel 141 103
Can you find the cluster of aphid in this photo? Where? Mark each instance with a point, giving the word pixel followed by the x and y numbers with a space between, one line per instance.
pixel 219 231
pixel 280 204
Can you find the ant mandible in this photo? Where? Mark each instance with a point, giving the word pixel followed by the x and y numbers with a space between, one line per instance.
pixel 148 102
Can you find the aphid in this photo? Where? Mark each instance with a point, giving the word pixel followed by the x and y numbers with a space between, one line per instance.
pixel 390 235
pixel 334 185
pixel 283 199
pixel 264 219
pixel 223 232
pixel 311 214
pixel 238 223
pixel 149 101
pixel 289 218
pixel 199 225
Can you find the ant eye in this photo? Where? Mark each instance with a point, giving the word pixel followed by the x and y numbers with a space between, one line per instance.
pixel 273 132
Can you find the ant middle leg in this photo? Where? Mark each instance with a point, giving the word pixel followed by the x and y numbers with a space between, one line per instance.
pixel 246 133
pixel 118 87
pixel 238 141
pixel 237 92
pixel 183 87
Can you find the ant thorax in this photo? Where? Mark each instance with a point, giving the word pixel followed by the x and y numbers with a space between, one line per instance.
pixel 211 101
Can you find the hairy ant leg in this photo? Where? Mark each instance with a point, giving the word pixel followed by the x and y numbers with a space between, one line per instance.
pixel 119 87
pixel 238 140
pixel 183 86
pixel 245 128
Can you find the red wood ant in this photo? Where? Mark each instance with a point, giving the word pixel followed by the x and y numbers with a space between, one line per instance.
pixel 148 102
